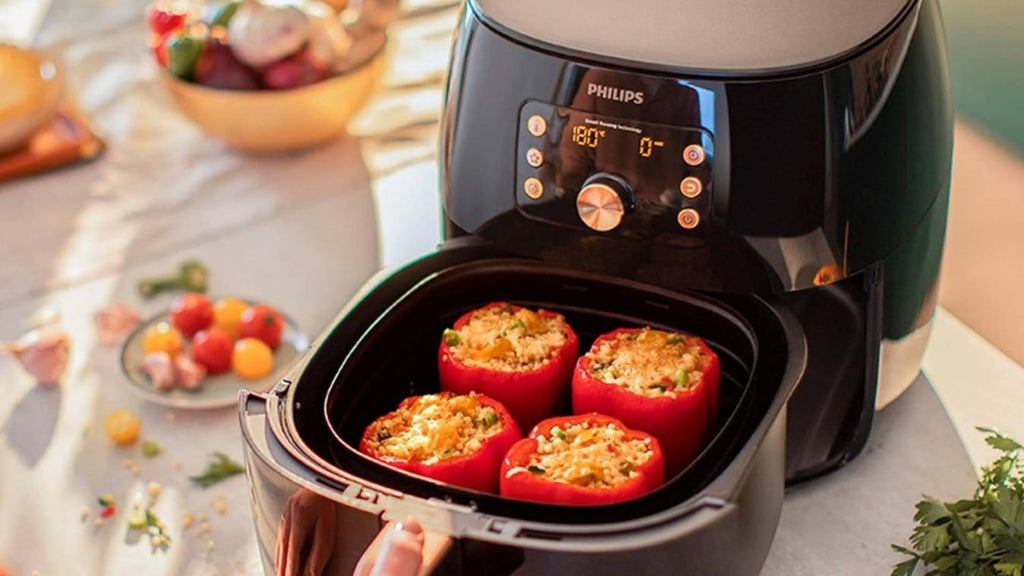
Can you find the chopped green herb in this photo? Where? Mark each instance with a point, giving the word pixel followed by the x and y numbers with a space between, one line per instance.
pixel 451 337
pixel 626 467
pixel 983 535
pixel 219 468
pixel 534 469
pixel 660 388
pixel 675 339
pixel 489 420
pixel 158 537
pixel 151 449
pixel 192 276
pixel 106 500
pixel 681 378
pixel 519 324
pixel 559 433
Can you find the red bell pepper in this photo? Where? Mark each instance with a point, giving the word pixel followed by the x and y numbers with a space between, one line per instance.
pixel 682 420
pixel 530 395
pixel 522 476
pixel 475 470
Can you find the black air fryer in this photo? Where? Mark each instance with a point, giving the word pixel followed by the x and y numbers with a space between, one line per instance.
pixel 771 177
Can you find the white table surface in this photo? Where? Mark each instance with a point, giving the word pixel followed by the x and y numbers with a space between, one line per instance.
pixel 300 230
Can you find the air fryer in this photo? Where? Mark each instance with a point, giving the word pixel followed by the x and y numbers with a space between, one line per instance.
pixel 772 179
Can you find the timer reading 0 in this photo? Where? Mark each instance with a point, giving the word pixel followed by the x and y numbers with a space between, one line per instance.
pixel 586 136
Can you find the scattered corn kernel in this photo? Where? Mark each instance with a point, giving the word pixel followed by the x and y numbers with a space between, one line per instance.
pixel 154 489
pixel 202 517
pixel 221 507
pixel 210 545
pixel 186 522
pixel 98 522
pixel 86 512
pixel 178 466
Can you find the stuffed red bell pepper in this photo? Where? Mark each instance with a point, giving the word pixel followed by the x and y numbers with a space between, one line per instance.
pixel 664 383
pixel 521 358
pixel 583 460
pixel 460 439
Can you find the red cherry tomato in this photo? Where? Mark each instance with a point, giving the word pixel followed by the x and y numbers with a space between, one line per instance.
pixel 212 348
pixel 164 17
pixel 191 313
pixel 263 323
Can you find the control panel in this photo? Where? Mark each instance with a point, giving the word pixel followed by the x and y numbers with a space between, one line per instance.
pixel 579 168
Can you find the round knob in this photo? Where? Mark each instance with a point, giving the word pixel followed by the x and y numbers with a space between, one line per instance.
pixel 603 201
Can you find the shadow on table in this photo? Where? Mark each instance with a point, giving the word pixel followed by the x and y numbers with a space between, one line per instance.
pixel 31 427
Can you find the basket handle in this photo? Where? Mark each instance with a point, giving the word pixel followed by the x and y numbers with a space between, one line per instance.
pixel 436 548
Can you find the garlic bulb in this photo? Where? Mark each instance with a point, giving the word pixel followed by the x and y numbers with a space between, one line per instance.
pixel 261 34
pixel 328 40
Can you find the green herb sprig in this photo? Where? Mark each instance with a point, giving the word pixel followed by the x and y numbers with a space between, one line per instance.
pixel 983 536
pixel 218 469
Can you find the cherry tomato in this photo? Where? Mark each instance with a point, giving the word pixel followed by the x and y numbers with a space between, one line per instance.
pixel 263 323
pixel 227 315
pixel 191 313
pixel 252 359
pixel 212 349
pixel 161 337
pixel 164 17
pixel 122 427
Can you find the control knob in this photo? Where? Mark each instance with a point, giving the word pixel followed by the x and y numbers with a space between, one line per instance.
pixel 604 200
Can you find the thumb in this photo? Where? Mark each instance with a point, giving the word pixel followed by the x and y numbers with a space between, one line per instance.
pixel 402 553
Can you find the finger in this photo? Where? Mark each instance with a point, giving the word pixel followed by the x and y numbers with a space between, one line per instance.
pixel 297 536
pixel 323 544
pixel 412 525
pixel 401 555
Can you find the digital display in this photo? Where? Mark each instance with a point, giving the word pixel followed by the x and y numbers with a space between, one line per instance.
pixel 650 156
pixel 590 137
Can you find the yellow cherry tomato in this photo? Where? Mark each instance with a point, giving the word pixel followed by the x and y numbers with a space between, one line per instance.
pixel 227 315
pixel 252 359
pixel 122 427
pixel 162 337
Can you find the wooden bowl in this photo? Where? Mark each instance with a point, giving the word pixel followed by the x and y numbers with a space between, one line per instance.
pixel 269 120
pixel 32 87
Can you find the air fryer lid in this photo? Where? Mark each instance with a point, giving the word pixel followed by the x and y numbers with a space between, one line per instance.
pixel 396 357
pixel 696 35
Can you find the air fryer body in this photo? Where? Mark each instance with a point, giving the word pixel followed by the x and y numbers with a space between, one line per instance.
pixel 823 186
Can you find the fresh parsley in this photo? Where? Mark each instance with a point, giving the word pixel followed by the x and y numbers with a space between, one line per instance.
pixel 983 536
pixel 219 468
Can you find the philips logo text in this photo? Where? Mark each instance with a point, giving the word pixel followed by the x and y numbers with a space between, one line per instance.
pixel 617 94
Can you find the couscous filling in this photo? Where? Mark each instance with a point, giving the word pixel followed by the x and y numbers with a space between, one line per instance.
pixel 593 456
pixel 649 362
pixel 433 428
pixel 502 339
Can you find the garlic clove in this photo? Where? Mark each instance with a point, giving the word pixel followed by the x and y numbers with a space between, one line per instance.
pixel 159 369
pixel 43 354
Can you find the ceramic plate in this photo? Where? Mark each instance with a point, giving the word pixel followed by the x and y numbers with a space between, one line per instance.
pixel 217 391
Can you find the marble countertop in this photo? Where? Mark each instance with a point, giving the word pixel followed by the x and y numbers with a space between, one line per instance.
pixel 304 230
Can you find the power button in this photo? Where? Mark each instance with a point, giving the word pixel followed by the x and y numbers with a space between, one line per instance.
pixel 688 218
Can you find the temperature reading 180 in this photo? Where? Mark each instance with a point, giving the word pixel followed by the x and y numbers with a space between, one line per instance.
pixel 586 136
pixel 647 146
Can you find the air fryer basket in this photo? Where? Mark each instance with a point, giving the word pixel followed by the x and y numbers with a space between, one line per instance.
pixel 396 357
